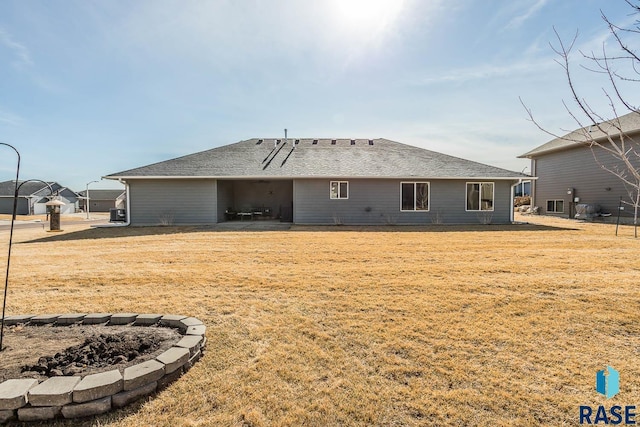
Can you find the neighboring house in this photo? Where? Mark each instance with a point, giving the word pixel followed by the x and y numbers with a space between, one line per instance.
pixel 100 200
pixel 319 181
pixel 33 195
pixel 571 175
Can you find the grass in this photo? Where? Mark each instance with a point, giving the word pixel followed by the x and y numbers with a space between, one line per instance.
pixel 393 326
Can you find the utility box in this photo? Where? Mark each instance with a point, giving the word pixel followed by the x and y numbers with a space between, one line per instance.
pixel 117 215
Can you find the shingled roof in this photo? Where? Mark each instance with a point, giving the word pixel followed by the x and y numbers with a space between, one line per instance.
pixel 317 158
pixel 629 124
pixel 29 188
pixel 99 194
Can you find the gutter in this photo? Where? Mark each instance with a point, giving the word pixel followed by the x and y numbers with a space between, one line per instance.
pixel 277 177
pixel 570 143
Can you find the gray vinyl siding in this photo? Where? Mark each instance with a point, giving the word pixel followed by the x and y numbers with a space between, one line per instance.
pixel 377 201
pixel 101 205
pixel 178 202
pixel 577 169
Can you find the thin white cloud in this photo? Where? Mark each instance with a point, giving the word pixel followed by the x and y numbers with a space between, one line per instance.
pixel 20 51
pixel 10 118
pixel 487 72
pixel 517 22
pixel 23 62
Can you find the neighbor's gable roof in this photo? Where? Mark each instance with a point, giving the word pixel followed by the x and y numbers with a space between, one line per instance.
pixel 99 194
pixel 629 123
pixel 30 188
pixel 317 158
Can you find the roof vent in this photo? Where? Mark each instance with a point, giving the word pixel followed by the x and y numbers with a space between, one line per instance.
pixel 297 141
pixel 259 142
pixel 371 142
pixel 353 142
pixel 315 142
pixel 333 142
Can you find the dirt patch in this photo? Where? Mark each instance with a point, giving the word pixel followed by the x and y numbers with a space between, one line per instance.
pixel 44 351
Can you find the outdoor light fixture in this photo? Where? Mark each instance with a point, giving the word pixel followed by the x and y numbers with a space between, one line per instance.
pixel 86 195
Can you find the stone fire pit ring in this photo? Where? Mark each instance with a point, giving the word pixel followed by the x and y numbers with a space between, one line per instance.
pixel 93 394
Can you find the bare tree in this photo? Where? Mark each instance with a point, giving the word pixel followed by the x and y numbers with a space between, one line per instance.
pixel 607 135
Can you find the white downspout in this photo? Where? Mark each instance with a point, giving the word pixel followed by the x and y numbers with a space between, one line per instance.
pixel 533 190
pixel 512 216
pixel 128 207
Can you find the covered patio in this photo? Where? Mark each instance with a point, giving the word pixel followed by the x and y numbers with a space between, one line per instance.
pixel 253 200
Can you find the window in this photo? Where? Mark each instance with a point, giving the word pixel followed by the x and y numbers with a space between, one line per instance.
pixel 556 206
pixel 479 196
pixel 414 196
pixel 339 189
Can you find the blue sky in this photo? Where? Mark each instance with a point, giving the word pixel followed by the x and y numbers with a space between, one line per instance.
pixel 93 87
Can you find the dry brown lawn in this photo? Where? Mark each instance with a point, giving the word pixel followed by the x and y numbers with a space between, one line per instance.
pixel 337 326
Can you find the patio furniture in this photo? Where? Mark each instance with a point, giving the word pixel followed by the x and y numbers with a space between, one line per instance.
pixel 230 214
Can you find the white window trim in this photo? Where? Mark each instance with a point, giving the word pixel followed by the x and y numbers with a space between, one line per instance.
pixel 414 196
pixel 466 197
pixel 331 193
pixel 555 205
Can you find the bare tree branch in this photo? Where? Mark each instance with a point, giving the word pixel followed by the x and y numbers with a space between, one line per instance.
pixel 607 138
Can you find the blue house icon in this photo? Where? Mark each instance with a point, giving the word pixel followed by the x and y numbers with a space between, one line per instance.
pixel 608 382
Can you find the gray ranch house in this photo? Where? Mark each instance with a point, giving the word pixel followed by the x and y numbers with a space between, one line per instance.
pixel 572 180
pixel 319 181
pixel 33 196
pixel 100 200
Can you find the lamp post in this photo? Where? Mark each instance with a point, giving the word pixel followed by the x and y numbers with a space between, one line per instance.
pixel 13 218
pixel 87 197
